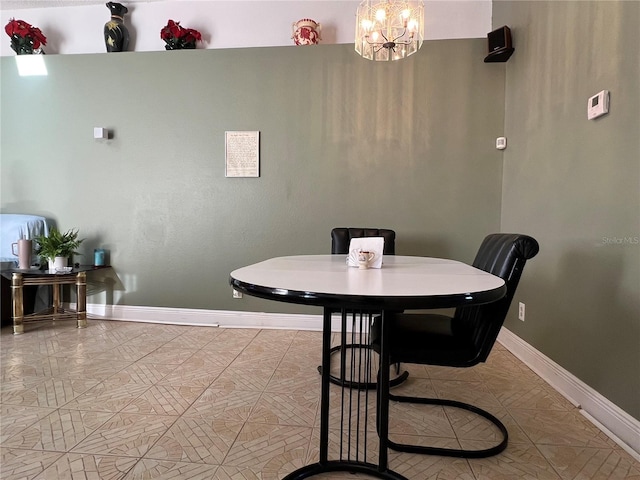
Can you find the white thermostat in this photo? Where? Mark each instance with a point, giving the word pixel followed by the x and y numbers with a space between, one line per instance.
pixel 598 105
pixel 501 143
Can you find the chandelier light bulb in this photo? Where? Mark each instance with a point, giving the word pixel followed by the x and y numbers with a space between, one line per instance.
pixel 389 29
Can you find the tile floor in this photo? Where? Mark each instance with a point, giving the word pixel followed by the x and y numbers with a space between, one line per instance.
pixel 121 400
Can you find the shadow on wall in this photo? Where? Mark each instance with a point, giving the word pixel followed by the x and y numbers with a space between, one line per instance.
pixel 103 282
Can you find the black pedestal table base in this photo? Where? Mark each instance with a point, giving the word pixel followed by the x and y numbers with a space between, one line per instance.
pixel 342 466
pixel 394 382
pixel 353 411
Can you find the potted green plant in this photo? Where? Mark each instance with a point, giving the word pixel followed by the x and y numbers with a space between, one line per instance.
pixel 57 247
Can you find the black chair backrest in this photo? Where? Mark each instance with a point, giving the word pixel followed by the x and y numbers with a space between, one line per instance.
pixel 503 255
pixel 341 238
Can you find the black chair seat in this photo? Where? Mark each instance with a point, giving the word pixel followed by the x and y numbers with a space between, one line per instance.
pixel 425 338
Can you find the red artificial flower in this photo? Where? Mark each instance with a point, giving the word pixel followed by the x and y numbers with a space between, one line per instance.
pixel 25 38
pixel 38 37
pixel 177 37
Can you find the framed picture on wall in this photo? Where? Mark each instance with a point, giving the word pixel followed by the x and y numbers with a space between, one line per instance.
pixel 242 154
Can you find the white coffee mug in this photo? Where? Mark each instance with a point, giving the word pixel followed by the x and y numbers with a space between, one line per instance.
pixel 365 258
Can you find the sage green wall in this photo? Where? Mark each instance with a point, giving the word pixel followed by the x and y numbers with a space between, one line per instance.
pixel 574 184
pixel 344 142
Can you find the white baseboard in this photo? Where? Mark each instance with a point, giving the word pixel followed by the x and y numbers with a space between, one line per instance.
pixel 204 318
pixel 211 318
pixel 615 422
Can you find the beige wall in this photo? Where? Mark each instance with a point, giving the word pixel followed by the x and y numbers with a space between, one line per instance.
pixel 574 184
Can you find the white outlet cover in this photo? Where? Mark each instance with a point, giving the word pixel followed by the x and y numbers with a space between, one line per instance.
pixel 501 143
pixel 99 132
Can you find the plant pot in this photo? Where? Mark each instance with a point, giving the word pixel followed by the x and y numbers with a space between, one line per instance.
pixel 58 263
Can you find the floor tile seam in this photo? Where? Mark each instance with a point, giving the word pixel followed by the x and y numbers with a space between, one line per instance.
pixel 149 456
pixel 84 453
pixel 509 406
pixel 161 383
pixel 521 391
pixel 457 434
pixel 66 405
pixel 230 370
pixel 442 396
pixel 275 424
pixel 226 366
pixel 42 379
pixel 254 406
pixel 61 454
pixel 557 471
pixel 86 411
pixel 36 450
pixel 574 411
pixel 126 473
pixel 2 444
pixel 231 444
pixel 151 446
pixel 421 436
pixel 223 463
pixel 70 448
pixel 571 444
pixel 75 396
pixel 523 431
pixel 526 433
pixel 462 383
pixel 603 462
pixel 183 413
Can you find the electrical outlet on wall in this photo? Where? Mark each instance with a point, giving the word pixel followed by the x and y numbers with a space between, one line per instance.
pixel 237 294
pixel 521 311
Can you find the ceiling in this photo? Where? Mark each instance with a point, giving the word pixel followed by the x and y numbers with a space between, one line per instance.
pixel 22 4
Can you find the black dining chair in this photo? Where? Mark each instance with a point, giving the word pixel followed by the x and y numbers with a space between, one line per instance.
pixel 462 340
pixel 341 239
pixel 340 242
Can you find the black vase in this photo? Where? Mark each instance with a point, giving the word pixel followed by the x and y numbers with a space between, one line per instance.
pixel 116 35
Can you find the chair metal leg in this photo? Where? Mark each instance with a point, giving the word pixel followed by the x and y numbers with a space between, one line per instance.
pixel 451 452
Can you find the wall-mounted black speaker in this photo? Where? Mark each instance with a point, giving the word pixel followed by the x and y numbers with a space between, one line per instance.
pixel 500 47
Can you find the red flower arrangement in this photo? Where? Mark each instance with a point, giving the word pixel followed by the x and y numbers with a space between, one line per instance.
pixel 25 39
pixel 177 37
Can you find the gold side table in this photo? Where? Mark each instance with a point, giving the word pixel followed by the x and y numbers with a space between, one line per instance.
pixel 22 278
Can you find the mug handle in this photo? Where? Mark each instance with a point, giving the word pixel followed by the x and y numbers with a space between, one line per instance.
pixel 12 251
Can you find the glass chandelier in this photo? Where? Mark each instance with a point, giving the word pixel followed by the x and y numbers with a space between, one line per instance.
pixel 389 29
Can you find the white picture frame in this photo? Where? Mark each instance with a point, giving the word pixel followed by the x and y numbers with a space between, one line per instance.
pixel 242 154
